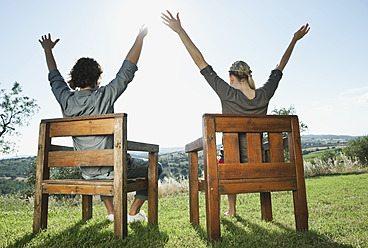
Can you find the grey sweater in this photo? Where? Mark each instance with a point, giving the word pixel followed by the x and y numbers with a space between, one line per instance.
pixel 92 102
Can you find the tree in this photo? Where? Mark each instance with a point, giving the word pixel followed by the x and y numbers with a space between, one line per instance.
pixel 15 110
pixel 358 148
pixel 290 111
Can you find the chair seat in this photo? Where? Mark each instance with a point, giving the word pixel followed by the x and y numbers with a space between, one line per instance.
pixel 90 187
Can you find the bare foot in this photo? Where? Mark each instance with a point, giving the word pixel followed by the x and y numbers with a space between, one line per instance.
pixel 230 214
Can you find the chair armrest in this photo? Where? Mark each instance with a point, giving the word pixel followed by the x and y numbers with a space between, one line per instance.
pixel 194 146
pixel 142 147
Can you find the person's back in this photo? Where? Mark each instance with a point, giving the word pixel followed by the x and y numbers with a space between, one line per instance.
pixel 88 98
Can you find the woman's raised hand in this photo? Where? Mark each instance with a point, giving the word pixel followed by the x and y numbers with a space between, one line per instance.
pixel 143 31
pixel 47 43
pixel 301 32
pixel 171 22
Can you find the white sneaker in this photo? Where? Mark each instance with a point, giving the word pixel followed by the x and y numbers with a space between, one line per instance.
pixel 110 217
pixel 141 216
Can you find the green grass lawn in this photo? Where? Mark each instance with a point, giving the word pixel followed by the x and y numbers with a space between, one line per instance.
pixel 338 207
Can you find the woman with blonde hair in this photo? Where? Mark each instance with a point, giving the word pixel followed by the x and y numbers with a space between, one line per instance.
pixel 241 96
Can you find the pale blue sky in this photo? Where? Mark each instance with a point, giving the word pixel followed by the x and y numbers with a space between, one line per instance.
pixel 324 79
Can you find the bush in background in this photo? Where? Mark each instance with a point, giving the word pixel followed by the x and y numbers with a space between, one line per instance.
pixel 358 148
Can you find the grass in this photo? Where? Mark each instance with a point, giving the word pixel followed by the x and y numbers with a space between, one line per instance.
pixel 337 203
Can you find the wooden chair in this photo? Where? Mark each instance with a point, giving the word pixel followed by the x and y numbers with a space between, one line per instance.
pixel 58 156
pixel 254 176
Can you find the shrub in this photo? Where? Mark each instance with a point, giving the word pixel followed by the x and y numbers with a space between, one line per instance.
pixel 358 148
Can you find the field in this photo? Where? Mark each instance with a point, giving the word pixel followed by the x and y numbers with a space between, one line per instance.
pixel 337 203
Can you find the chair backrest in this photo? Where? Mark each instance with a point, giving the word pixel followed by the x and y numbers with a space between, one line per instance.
pixel 58 156
pixel 253 126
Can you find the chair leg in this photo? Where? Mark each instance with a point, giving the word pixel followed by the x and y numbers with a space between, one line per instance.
pixel 41 203
pixel 266 206
pixel 86 207
pixel 120 215
pixel 300 210
pixel 213 214
pixel 153 188
pixel 193 188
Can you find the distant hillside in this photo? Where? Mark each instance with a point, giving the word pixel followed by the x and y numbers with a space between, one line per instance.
pixel 329 136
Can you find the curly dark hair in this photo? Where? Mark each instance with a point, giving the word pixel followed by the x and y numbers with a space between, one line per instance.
pixel 86 72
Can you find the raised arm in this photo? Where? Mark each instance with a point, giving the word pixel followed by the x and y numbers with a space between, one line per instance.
pixel 175 25
pixel 47 45
pixel 135 52
pixel 297 36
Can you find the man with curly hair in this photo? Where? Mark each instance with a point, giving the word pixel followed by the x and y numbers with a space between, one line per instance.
pixel 86 97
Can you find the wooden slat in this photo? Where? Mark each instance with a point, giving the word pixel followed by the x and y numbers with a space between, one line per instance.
pixel 52 186
pixel 193 188
pixel 195 146
pixel 254 148
pixel 211 178
pixel 120 178
pixel 144 147
pixel 299 195
pixel 231 148
pixel 257 185
pixel 87 117
pixel 77 189
pixel 153 188
pixel 276 147
pixel 82 128
pixel 81 158
pixel 87 207
pixel 256 170
pixel 246 124
pixel 42 172
pixel 92 182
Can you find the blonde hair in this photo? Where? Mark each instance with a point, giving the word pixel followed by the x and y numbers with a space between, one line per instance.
pixel 241 70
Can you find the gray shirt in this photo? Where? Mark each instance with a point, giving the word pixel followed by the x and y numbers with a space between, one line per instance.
pixel 92 102
pixel 234 101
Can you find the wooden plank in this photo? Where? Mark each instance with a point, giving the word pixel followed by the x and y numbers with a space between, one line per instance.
pixel 120 178
pixel 211 178
pixel 231 148
pixel 195 146
pixel 42 172
pixel 276 155
pixel 193 188
pixel 256 170
pixel 276 147
pixel 81 158
pixel 82 128
pixel 153 188
pixel 87 117
pixel 77 189
pixel 86 207
pixel 299 195
pixel 143 147
pixel 254 148
pixel 257 185
pixel 251 124
pixel 80 182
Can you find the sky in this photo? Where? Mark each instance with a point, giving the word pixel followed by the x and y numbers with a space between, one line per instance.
pixel 324 80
